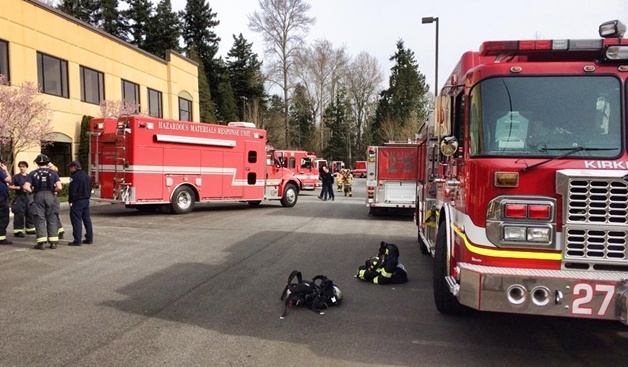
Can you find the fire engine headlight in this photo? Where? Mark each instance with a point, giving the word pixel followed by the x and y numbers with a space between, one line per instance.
pixel 536 234
pixel 512 233
pixel 617 53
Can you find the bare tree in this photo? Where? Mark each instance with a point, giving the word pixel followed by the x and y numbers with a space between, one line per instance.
pixel 115 109
pixel 320 68
pixel 283 25
pixel 25 120
pixel 363 83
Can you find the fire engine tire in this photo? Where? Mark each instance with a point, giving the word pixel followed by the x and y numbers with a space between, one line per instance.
pixel 254 203
pixel 290 196
pixel 445 301
pixel 183 200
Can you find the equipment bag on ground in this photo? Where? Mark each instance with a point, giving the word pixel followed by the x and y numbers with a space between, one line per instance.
pixel 317 294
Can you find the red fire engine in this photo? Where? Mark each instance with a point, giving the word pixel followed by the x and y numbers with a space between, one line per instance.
pixel 391 174
pixel 148 163
pixel 302 164
pixel 523 180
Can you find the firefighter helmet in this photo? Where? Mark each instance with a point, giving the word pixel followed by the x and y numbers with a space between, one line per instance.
pixel 42 159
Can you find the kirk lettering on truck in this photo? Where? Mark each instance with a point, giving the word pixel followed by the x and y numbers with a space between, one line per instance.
pixel 153 164
pixel 522 179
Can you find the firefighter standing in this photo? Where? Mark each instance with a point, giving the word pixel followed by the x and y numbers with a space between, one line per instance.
pixel 339 180
pixel 60 229
pixel 5 179
pixel 22 216
pixel 347 182
pixel 44 182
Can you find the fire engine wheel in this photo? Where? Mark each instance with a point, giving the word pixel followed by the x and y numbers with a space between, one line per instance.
pixel 183 200
pixel 445 301
pixel 290 196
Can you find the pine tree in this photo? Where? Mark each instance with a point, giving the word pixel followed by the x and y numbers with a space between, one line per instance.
pixel 139 15
pixel 197 24
pixel 336 119
pixel 302 116
pixel 206 105
pixel 245 74
pixel 111 20
pixel 403 106
pixel 163 31
pixel 80 9
pixel 226 105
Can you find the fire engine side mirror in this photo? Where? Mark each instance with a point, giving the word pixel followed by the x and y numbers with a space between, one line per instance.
pixel 448 146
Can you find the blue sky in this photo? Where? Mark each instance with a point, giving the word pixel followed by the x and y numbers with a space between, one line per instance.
pixel 375 26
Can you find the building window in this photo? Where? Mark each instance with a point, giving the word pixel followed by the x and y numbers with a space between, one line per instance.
pixel 92 85
pixel 4 59
pixel 185 109
pixel 154 103
pixel 52 74
pixel 60 155
pixel 131 93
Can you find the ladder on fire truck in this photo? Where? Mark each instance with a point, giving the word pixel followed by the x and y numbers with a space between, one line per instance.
pixel 121 188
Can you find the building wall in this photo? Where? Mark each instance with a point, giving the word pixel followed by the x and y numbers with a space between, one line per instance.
pixel 30 27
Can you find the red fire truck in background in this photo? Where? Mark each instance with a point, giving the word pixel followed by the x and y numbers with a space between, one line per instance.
pixel 359 169
pixel 391 173
pixel 149 163
pixel 523 180
pixel 302 164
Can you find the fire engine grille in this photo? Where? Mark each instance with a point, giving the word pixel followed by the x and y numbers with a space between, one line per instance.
pixel 595 221
pixel 597 201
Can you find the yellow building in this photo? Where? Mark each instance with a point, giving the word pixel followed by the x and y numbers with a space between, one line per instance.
pixel 77 66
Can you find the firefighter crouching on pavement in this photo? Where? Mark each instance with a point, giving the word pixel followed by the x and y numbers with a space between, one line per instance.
pixel 339 180
pixel 384 268
pixel 44 182
pixel 347 182
pixel 22 216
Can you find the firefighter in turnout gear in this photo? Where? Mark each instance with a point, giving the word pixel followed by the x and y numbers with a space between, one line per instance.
pixel 339 180
pixel 347 182
pixel 5 179
pixel 44 182
pixel 22 216
pixel 60 229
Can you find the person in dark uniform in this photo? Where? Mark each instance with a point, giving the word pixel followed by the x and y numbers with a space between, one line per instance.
pixel 44 182
pixel 5 179
pixel 59 225
pixel 80 191
pixel 22 216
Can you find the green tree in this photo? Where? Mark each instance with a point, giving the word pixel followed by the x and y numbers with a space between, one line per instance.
pixel 302 117
pixel 197 22
pixel 139 16
pixel 246 75
pixel 80 9
pixel 227 109
pixel 272 121
pixel 83 150
pixel 206 105
pixel 111 20
pixel 163 31
pixel 337 121
pixel 403 106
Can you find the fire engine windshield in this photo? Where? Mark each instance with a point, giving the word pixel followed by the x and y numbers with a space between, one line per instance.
pixel 546 116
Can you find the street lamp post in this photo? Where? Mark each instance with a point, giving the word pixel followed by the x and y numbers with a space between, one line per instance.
pixel 428 20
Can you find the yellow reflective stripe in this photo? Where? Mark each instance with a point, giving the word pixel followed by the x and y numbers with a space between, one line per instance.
pixel 506 253
pixel 53 239
pixel 42 239
pixel 375 280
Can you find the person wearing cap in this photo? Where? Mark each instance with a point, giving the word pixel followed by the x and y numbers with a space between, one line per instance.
pixel 44 182
pixel 79 192
pixel 60 229
pixel 5 179
pixel 22 216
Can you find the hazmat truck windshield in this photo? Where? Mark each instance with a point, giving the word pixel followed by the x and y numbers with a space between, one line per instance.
pixel 546 116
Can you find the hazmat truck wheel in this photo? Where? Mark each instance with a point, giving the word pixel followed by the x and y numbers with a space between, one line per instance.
pixel 446 302
pixel 183 200
pixel 290 195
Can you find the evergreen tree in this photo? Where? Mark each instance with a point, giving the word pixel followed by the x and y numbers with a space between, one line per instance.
pixel 163 31
pixel 206 105
pixel 336 120
pixel 403 106
pixel 139 15
pixel 272 122
pixel 245 74
pixel 226 105
pixel 111 20
pixel 302 116
pixel 197 23
pixel 80 9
